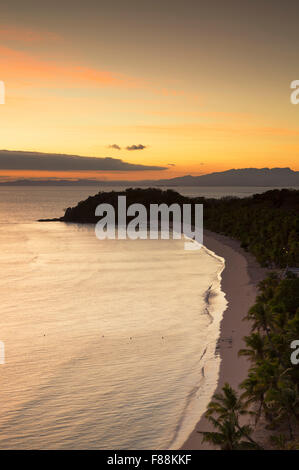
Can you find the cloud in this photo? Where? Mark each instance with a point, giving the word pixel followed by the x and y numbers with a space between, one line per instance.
pixel 114 146
pixel 44 72
pixel 136 147
pixel 171 164
pixel 129 147
pixel 22 68
pixel 12 33
pixel 20 160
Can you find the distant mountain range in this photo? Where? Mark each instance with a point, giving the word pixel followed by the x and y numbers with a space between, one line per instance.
pixel 241 177
pixel 267 177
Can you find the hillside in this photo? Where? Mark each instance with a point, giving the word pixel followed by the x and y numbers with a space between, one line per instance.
pixel 266 224
pixel 263 177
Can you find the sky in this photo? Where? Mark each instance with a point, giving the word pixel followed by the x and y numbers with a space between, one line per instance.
pixel 166 88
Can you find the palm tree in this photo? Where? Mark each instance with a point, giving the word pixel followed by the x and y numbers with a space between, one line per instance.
pixel 228 437
pixel 261 317
pixel 285 398
pixel 228 408
pixel 256 347
pixel 255 387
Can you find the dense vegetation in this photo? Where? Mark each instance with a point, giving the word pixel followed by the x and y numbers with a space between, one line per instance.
pixel 224 412
pixel 266 224
pixel 271 388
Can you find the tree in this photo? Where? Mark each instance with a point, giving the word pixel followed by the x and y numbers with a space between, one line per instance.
pixel 230 434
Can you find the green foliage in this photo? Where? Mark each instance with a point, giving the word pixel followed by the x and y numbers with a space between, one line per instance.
pixel 272 384
pixel 273 380
pixel 280 442
pixel 266 224
pixel 229 434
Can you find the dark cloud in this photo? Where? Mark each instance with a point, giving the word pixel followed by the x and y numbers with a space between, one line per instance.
pixel 136 147
pixel 129 147
pixel 171 164
pixel 19 160
pixel 114 146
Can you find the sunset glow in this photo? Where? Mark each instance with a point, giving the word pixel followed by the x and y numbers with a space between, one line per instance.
pixel 218 100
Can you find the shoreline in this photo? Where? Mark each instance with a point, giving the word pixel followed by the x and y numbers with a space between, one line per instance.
pixel 239 280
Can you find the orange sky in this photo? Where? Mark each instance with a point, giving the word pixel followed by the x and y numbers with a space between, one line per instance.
pixel 203 90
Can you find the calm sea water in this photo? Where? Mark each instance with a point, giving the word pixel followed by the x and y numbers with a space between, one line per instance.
pixel 108 344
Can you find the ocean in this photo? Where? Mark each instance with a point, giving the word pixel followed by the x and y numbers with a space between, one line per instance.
pixel 108 344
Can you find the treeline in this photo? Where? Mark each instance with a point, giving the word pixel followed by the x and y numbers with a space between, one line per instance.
pixel 271 389
pixel 267 224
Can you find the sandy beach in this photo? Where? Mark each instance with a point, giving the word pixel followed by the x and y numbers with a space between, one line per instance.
pixel 239 282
